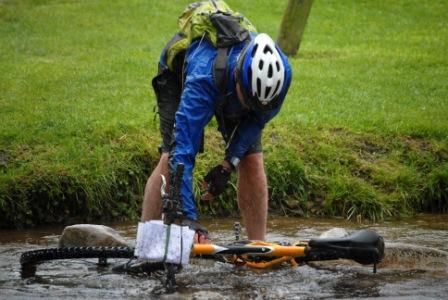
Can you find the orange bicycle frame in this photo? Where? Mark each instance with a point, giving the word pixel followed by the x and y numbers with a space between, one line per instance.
pixel 279 253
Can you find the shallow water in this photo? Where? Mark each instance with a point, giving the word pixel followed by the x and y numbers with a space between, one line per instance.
pixel 420 275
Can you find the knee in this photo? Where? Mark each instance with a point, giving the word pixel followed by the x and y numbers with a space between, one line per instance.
pixel 162 166
pixel 252 164
pixel 252 180
pixel 164 158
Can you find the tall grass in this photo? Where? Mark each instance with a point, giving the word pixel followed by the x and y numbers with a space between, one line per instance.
pixel 363 133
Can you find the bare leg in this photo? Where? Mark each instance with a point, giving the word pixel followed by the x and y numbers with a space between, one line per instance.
pixel 152 203
pixel 253 195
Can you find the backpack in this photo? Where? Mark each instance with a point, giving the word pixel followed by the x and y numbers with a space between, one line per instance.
pixel 212 20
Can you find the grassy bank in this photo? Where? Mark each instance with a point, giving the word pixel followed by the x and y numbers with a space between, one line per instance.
pixel 364 132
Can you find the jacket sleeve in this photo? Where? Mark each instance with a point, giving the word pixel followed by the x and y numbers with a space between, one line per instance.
pixel 247 133
pixel 195 110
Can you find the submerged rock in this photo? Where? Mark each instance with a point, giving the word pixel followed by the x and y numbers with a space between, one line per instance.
pixel 408 256
pixel 335 232
pixel 91 235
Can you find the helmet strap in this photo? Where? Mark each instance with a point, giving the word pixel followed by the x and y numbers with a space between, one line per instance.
pixel 240 95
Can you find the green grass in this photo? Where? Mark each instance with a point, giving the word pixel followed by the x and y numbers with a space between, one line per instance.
pixel 363 134
pixel 376 67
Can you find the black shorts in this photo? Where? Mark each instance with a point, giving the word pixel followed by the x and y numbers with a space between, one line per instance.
pixel 168 89
pixel 228 126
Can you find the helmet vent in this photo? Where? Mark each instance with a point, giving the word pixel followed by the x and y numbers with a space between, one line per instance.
pixel 278 66
pixel 267 49
pixel 268 89
pixel 260 65
pixel 254 50
pixel 276 88
pixel 258 87
pixel 270 71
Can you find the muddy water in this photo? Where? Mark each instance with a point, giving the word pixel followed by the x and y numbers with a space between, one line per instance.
pixel 419 276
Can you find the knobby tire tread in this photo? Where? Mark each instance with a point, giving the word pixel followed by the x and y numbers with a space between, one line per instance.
pixel 37 256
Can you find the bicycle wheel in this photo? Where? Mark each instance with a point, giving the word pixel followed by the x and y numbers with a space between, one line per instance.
pixel 29 259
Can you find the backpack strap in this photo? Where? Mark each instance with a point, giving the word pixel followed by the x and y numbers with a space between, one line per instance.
pixel 220 69
pixel 229 34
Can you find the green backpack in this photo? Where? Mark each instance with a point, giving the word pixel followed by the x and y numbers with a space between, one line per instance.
pixel 212 20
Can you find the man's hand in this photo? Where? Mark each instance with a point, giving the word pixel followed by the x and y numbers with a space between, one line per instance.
pixel 201 239
pixel 216 180
pixel 201 235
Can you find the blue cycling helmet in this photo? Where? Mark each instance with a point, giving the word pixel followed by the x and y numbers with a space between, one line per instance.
pixel 261 73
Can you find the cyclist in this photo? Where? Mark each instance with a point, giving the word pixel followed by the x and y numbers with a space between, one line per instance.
pixel 257 79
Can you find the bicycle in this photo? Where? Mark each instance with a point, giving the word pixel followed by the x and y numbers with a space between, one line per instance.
pixel 364 246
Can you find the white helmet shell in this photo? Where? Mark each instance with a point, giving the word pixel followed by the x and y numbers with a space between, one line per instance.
pixel 268 72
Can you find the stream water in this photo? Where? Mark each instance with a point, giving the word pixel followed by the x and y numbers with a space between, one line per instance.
pixel 417 274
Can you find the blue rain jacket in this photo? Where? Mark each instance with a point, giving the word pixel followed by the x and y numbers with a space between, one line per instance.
pixel 197 107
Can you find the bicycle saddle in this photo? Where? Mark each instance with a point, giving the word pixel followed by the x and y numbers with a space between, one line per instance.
pixel 364 246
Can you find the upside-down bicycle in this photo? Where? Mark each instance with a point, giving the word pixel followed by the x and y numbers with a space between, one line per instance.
pixel 364 246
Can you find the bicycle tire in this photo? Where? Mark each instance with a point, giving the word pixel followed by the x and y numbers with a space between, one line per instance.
pixel 37 256
pixel 30 259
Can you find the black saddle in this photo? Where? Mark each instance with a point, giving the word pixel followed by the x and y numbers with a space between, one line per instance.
pixel 363 246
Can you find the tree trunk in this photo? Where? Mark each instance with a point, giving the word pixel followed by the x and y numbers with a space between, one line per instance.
pixel 293 25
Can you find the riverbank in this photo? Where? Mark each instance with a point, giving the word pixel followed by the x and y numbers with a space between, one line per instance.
pixel 363 133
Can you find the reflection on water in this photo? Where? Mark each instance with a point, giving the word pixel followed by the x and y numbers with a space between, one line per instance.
pixel 416 273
